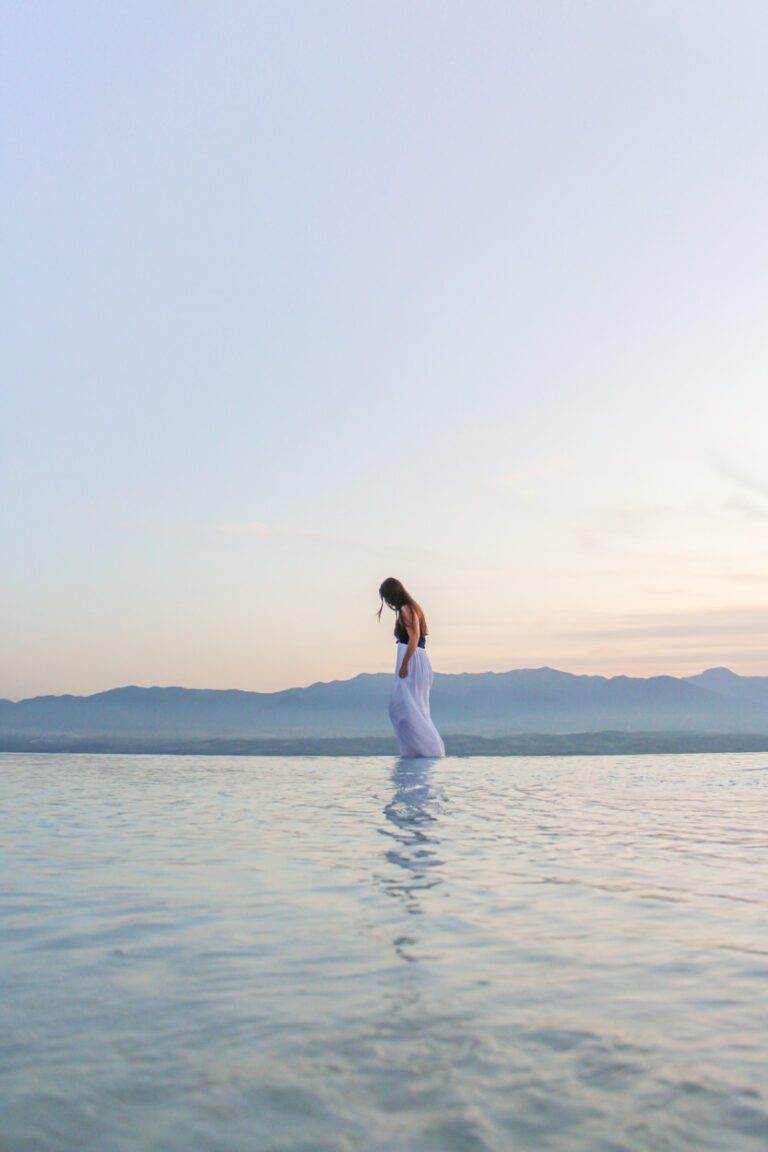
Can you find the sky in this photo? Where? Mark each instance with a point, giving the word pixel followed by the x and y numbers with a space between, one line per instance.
pixel 299 296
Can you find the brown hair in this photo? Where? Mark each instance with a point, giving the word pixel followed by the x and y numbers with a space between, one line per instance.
pixel 395 596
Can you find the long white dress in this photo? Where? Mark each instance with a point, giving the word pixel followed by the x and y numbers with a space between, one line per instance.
pixel 409 707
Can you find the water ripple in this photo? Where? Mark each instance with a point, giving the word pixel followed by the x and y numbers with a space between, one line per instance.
pixel 333 955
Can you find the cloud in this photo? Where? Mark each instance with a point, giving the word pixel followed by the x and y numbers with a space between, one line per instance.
pixel 747 506
pixel 745 478
pixel 259 530
pixel 604 526
pixel 750 501
pixel 750 620
pixel 673 527
pixel 253 528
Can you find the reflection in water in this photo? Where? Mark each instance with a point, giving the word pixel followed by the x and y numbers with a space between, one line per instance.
pixel 412 816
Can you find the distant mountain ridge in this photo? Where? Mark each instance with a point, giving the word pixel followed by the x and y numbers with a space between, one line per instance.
pixel 486 704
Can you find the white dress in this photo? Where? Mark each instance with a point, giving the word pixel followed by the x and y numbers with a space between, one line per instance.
pixel 409 707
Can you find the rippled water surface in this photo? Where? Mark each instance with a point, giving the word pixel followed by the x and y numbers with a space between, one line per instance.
pixel 297 954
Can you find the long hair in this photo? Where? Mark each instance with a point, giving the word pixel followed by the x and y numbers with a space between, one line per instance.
pixel 394 595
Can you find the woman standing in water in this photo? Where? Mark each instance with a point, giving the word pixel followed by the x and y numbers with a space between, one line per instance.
pixel 409 699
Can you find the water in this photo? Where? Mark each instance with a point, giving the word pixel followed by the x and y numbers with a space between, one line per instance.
pixel 297 954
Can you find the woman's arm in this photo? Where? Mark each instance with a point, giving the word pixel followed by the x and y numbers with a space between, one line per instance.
pixel 411 623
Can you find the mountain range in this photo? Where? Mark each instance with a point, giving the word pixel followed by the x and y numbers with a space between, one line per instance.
pixel 500 707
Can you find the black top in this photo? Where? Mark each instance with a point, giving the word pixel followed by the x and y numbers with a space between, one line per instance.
pixel 401 633
pixel 421 644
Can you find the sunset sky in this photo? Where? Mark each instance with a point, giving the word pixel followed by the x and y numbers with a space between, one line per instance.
pixel 306 295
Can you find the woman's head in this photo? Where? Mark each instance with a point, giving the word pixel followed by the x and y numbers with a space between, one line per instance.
pixel 393 594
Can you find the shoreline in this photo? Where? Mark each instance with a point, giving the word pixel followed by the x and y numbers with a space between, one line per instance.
pixel 604 743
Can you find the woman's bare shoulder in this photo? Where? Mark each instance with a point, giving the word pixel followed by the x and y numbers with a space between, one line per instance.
pixel 422 619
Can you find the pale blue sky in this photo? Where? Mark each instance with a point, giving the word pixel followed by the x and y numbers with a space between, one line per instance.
pixel 305 295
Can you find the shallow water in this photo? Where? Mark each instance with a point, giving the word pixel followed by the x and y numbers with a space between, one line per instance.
pixel 297 954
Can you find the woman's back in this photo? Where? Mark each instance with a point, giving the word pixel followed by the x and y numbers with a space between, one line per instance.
pixel 413 612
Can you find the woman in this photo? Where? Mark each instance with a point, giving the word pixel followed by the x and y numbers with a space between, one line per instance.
pixel 409 699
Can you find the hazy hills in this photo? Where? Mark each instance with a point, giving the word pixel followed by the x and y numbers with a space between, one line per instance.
pixel 484 705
